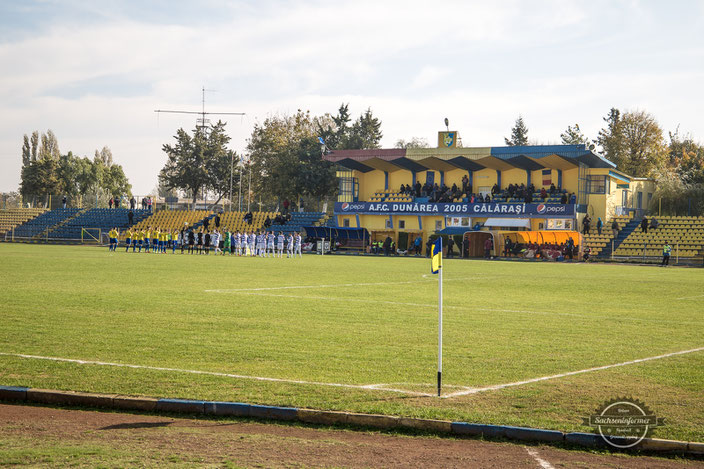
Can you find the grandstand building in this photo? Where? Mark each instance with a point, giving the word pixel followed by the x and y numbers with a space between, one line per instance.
pixel 370 184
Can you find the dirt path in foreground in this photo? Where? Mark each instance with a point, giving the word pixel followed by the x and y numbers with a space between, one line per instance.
pixel 43 436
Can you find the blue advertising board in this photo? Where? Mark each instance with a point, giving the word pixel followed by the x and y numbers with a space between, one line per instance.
pixel 457 209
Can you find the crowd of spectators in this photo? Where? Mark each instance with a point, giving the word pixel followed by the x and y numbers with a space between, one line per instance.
pixel 552 251
pixel 513 192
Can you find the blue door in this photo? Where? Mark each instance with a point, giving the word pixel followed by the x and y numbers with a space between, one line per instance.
pixel 430 177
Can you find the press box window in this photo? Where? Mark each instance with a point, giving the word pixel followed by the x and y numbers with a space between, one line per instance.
pixel 597 184
pixel 402 224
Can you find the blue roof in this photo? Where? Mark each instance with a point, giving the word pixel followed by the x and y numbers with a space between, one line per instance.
pixel 572 152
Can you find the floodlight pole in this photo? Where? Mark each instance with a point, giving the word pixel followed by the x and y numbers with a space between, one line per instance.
pixel 232 159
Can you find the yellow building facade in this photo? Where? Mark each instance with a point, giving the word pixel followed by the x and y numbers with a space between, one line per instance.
pixel 583 183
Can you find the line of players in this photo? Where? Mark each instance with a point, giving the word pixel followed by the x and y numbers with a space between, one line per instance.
pixel 262 244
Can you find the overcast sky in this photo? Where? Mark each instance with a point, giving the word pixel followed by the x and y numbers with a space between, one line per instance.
pixel 95 71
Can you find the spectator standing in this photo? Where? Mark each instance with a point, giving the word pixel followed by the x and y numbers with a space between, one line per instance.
pixel 133 203
pixel 586 224
pixel 644 224
pixel 130 217
pixel 110 203
pixel 387 245
pixel 450 246
pixel 599 225
pixel 63 202
pixel 614 228
pixel 286 205
pixel 217 220
pixel 417 244
pixel 206 223
pixel 149 203
pixel 487 248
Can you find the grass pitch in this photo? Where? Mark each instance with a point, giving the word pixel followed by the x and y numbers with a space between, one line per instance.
pixel 319 322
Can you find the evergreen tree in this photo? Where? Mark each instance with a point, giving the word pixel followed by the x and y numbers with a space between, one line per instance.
pixel 574 136
pixel 519 134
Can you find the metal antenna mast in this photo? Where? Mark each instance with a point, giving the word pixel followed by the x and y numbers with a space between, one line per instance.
pixel 202 123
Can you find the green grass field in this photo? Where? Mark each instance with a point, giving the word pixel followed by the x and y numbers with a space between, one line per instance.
pixel 358 321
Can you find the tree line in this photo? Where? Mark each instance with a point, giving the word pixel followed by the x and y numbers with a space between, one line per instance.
pixel 636 144
pixel 47 172
pixel 283 159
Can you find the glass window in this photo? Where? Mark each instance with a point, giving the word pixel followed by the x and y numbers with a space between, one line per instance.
pixel 346 223
pixel 597 184
pixel 346 189
pixel 402 224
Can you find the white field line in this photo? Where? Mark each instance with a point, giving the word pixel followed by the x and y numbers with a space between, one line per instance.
pixel 570 373
pixel 541 462
pixel 337 285
pixel 379 387
pixel 459 308
pixel 690 297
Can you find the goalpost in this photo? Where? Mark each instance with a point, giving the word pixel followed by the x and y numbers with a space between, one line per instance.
pixel 92 236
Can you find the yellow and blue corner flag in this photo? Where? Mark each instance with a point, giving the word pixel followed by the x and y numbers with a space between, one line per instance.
pixel 436 256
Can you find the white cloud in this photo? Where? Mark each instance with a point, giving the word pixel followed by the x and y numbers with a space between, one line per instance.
pixel 480 64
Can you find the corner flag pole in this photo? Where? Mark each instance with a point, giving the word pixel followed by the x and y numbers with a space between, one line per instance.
pixel 440 325
pixel 436 268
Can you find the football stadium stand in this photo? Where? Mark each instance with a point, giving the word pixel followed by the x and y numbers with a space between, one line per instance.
pixel 685 235
pixel 173 219
pixel 298 221
pixel 177 219
pixel 44 222
pixel 100 218
pixel 234 221
pixel 10 218
pixel 600 244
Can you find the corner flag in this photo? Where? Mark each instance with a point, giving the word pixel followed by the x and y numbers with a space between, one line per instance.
pixel 436 256
pixel 436 268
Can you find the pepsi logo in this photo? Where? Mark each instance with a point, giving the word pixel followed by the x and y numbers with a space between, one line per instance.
pixel 345 206
pixel 541 208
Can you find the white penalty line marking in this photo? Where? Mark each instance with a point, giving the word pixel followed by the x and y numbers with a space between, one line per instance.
pixel 570 373
pixel 337 285
pixel 376 387
pixel 542 462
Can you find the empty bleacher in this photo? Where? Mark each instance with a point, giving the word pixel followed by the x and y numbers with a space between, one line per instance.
pixel 685 235
pixel 43 222
pixel 12 217
pixel 102 218
pixel 298 221
pixel 387 196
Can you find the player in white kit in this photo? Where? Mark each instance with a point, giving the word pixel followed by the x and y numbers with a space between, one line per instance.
pixel 252 243
pixel 280 244
pixel 238 243
pixel 261 244
pixel 297 247
pixel 289 245
pixel 270 241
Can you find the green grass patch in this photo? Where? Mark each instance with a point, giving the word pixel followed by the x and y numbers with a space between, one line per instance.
pixel 358 321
